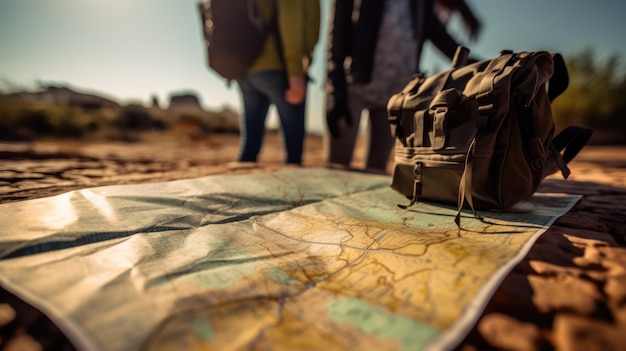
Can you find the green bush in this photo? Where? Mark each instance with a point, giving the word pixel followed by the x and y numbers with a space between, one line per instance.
pixel 36 120
pixel 135 117
pixel 27 120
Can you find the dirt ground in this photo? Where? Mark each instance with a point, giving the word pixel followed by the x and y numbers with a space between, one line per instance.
pixel 569 293
pixel 40 169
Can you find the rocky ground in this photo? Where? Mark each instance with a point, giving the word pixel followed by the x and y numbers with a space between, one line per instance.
pixel 569 293
pixel 29 170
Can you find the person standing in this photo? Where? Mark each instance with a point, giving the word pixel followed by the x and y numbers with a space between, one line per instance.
pixel 374 49
pixel 279 77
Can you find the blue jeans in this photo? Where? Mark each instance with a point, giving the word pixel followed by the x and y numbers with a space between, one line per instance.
pixel 259 91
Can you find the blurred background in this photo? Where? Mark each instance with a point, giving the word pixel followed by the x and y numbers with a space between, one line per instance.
pixel 108 69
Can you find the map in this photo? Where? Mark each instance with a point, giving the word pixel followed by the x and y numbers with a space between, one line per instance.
pixel 303 259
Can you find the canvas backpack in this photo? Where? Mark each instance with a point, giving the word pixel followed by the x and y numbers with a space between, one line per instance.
pixel 234 35
pixel 482 134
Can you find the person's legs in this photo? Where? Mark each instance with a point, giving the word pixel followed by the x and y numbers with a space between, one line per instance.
pixel 380 141
pixel 273 84
pixel 341 149
pixel 255 107
pixel 292 122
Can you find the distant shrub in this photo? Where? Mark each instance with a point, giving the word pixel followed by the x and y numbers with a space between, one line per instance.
pixel 193 120
pixel 30 120
pixel 135 118
pixel 36 120
pixel 209 122
pixel 25 120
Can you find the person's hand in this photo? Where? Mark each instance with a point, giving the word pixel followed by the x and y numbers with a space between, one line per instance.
pixel 472 24
pixel 446 8
pixel 297 90
pixel 337 112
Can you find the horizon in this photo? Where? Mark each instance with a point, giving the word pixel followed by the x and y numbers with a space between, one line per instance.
pixel 131 51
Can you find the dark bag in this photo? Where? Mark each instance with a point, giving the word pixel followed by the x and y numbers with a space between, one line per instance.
pixel 234 35
pixel 482 133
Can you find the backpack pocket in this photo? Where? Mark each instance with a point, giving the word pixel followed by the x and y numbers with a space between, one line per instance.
pixel 423 174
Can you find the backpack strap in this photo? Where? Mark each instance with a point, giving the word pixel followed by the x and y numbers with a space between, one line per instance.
pixel 395 103
pixel 486 98
pixel 573 138
pixel 569 141
pixel 465 186
pixel 560 79
pixel 394 107
pixel 418 133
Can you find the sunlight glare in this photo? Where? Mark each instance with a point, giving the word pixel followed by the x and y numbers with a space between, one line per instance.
pixel 60 212
pixel 101 204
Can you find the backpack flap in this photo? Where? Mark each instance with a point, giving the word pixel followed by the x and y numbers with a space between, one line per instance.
pixel 431 125
pixel 433 134
pixel 443 108
pixel 395 107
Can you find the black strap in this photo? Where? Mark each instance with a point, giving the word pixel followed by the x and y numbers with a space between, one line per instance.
pixel 559 80
pixel 571 139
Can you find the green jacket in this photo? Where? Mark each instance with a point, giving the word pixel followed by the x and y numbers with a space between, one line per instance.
pixel 298 24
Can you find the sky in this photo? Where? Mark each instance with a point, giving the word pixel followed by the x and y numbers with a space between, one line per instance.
pixel 131 50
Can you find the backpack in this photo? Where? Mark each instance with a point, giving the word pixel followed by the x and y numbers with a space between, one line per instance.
pixel 482 134
pixel 234 35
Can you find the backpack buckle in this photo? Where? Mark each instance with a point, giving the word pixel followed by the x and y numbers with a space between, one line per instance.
pixel 417 182
pixel 486 103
